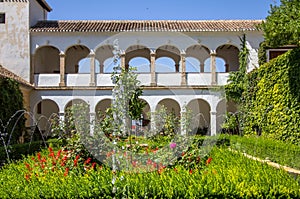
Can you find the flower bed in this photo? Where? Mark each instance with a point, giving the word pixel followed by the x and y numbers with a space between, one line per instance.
pixel 222 174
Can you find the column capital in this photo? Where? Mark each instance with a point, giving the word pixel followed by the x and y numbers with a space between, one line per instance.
pixel 183 53
pixel 122 53
pixel 213 52
pixel 92 54
pixel 62 54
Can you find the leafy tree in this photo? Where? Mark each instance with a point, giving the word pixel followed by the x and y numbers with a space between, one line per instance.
pixel 282 26
pixel 11 101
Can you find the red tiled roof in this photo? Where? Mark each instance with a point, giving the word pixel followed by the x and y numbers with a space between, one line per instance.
pixel 8 74
pixel 146 25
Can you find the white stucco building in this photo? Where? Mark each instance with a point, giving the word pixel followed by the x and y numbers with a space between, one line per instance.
pixel 179 63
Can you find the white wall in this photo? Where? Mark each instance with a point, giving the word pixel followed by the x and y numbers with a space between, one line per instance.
pixel 14 38
pixel 36 12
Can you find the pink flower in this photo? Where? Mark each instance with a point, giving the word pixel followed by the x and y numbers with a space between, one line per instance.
pixel 172 145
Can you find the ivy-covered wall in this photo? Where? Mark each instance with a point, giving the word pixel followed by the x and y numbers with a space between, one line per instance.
pixel 272 98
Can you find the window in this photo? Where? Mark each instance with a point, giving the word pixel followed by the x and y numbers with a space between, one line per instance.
pixel 2 17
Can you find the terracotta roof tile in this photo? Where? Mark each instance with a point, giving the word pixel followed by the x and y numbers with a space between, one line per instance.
pixel 146 25
pixel 8 74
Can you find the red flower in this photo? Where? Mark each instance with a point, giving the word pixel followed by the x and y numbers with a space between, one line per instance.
pixel 28 166
pixel 160 170
pixel 182 154
pixel 208 160
pixel 154 164
pixel 65 158
pixel 58 154
pixel 27 177
pixel 76 160
pixel 88 161
pixel 191 171
pixel 93 165
pixel 39 156
pixel 175 170
pixel 66 171
pixel 51 152
pixel 134 163
pixel 149 161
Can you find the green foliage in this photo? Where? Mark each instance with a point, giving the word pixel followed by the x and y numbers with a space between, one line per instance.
pixel 282 25
pixel 238 79
pixel 262 53
pixel 272 99
pixel 167 123
pixel 128 85
pixel 11 101
pixel 231 124
pixel 281 152
pixel 225 175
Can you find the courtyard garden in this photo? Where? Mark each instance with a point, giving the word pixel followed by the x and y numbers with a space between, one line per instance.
pixel 208 168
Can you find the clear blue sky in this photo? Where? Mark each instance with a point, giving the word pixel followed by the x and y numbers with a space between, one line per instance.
pixel 159 9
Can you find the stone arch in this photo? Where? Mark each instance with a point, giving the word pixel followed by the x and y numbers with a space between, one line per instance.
pixel 230 54
pixel 46 60
pixel 223 108
pixel 220 65
pixel 104 54
pixel 199 52
pixel 200 110
pixel 136 51
pixel 141 64
pixel 73 102
pixel 168 52
pixel 84 65
pixel 101 107
pixel 45 112
pixel 171 105
pixel 74 54
pixel 221 114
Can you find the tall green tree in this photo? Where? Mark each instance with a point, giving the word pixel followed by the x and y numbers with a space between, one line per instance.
pixel 12 122
pixel 282 26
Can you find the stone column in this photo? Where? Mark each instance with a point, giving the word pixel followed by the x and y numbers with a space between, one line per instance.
pixel 213 55
pixel 61 118
pixel 183 123
pixel 153 123
pixel 213 123
pixel 32 69
pixel 62 67
pixel 122 58
pixel 202 68
pixel 92 123
pixel 101 70
pixel 92 68
pixel 183 69
pixel 152 68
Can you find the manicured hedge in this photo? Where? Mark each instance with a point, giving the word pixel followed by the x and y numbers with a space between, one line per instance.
pixel 284 153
